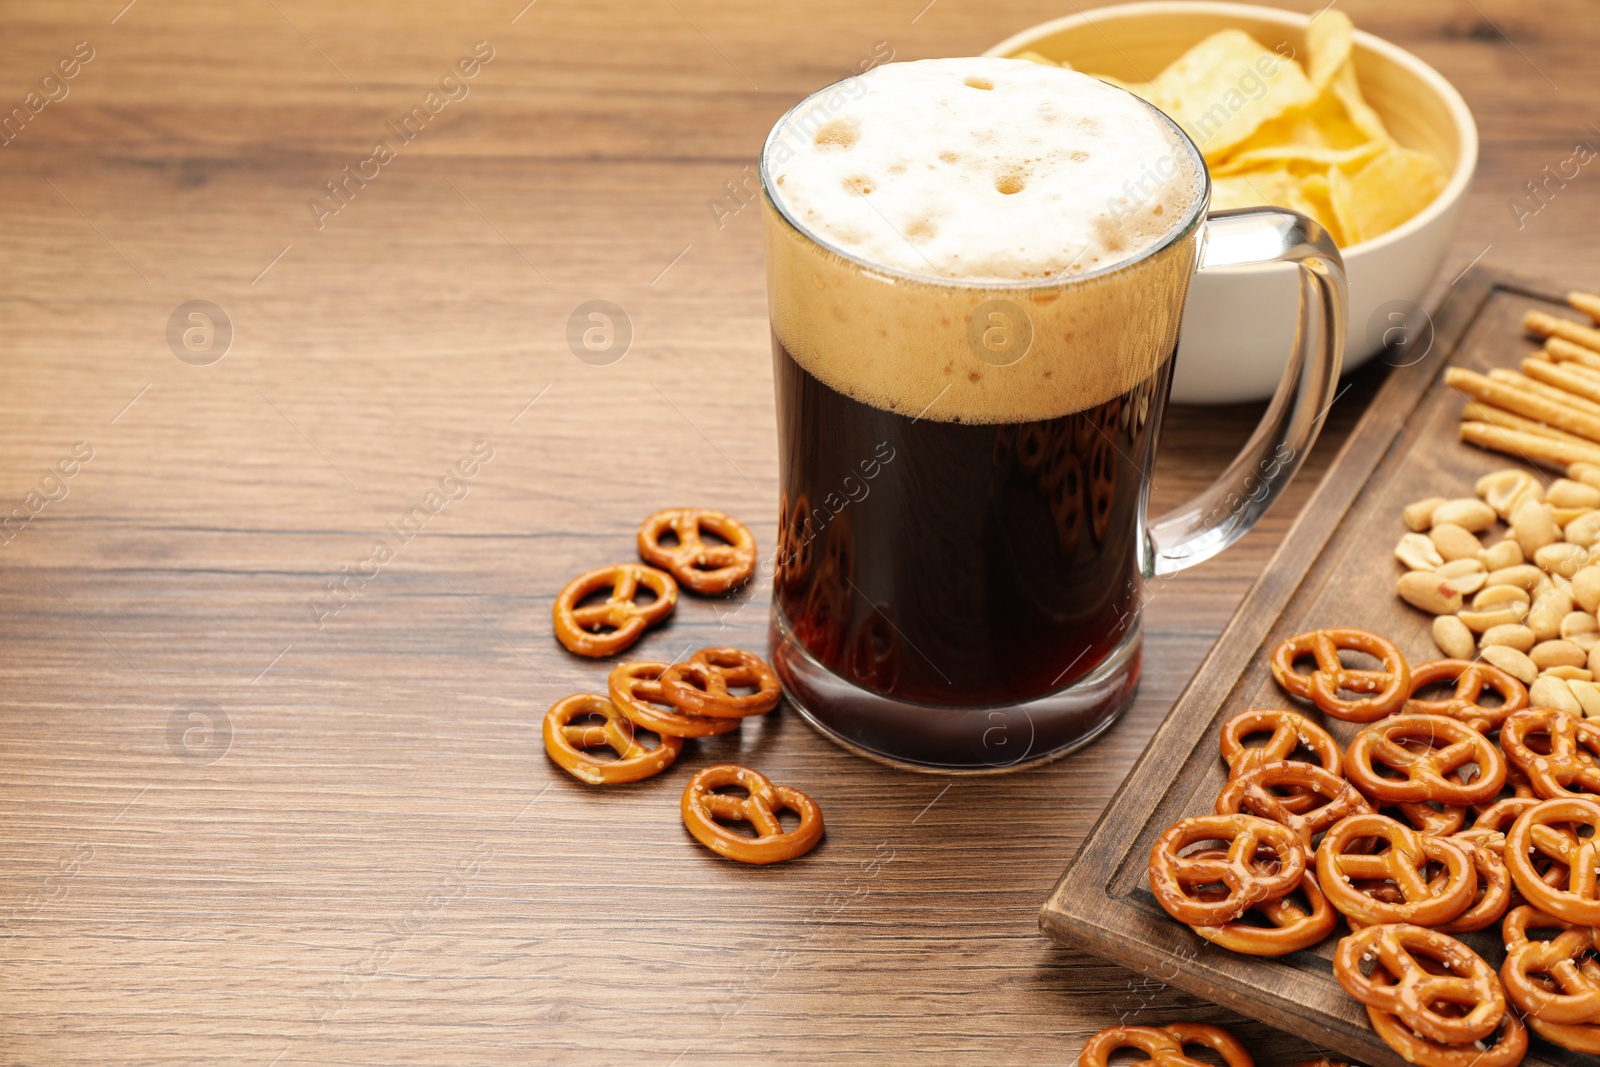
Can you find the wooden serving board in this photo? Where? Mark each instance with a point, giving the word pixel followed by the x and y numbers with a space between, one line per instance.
pixel 1335 568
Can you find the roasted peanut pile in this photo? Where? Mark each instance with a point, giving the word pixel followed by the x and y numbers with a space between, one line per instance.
pixel 1526 603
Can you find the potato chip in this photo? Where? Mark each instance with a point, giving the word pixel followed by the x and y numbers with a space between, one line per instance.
pixel 1295 151
pixel 1329 40
pixel 1227 86
pixel 1324 122
pixel 1391 189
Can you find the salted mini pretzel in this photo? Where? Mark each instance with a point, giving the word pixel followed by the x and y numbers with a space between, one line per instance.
pixel 569 744
pixel 1163 1046
pixel 1471 678
pixel 1495 822
pixel 1215 1038
pixel 1554 830
pixel 1495 892
pixel 702 807
pixel 1255 793
pixel 1508 1050
pixel 1387 688
pixel 1261 861
pixel 1555 980
pixel 1400 984
pixel 1579 1037
pixel 636 692
pixel 1290 928
pixel 1289 732
pixel 1570 766
pixel 1346 854
pixel 605 629
pixel 703 567
pixel 1158 1046
pixel 1427 750
pixel 703 685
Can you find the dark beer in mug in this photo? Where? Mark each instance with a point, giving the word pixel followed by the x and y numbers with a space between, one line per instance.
pixel 975 307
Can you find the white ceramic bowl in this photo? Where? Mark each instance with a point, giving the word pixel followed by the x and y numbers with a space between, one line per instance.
pixel 1239 323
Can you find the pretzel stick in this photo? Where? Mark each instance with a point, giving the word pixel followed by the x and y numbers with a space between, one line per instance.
pixel 1528 446
pixel 1578 370
pixel 1537 322
pixel 1521 402
pixel 1566 352
pixel 1550 392
pixel 1474 411
pixel 1588 303
pixel 1562 378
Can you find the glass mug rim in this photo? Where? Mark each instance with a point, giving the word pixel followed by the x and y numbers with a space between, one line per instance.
pixel 1179 232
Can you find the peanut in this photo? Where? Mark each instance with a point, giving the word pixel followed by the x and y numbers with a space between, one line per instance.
pixel 1470 514
pixel 1514 663
pixel 1533 524
pixel 1578 622
pixel 1584 530
pixel 1547 654
pixel 1587 473
pixel 1561 558
pixel 1553 693
pixel 1586 588
pixel 1510 636
pixel 1418 553
pixel 1587 642
pixel 1456 542
pixel 1467 575
pixel 1501 615
pixel 1524 576
pixel 1454 639
pixel 1505 490
pixel 1496 595
pixel 1566 515
pixel 1549 608
pixel 1435 595
pixel 1569 674
pixel 1418 516
pixel 1588 695
pixel 1505 554
pixel 1565 493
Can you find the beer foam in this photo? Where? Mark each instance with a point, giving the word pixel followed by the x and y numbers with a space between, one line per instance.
pixel 981 169
pixel 1081 290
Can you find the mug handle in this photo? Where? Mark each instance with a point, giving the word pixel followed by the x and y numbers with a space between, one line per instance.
pixel 1230 506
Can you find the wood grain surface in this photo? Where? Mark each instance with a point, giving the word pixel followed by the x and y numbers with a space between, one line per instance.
pixel 1405 448
pixel 237 826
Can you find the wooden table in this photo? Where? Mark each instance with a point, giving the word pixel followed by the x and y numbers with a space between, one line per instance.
pixel 247 820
